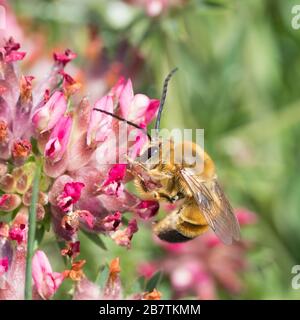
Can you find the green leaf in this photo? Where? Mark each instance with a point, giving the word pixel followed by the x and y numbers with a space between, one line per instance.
pixel 96 239
pixel 153 282
pixel 34 146
pixel 137 286
pixel 39 234
pixel 102 276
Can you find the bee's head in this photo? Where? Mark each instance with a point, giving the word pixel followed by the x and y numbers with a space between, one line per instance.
pixel 151 154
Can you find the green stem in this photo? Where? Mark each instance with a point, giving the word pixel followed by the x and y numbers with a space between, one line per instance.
pixel 31 232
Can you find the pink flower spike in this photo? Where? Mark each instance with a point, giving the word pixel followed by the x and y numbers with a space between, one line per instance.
pixel 100 124
pixel 65 57
pixel 70 195
pixel 46 117
pixel 3 265
pixel 246 217
pixel 45 280
pixel 59 139
pixel 147 209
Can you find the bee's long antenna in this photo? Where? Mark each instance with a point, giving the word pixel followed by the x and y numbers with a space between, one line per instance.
pixel 163 98
pixel 124 120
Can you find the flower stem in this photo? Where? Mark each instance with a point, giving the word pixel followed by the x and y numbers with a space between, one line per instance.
pixel 31 232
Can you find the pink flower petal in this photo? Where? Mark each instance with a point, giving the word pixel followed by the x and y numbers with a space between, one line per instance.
pixel 70 195
pixel 116 174
pixel 111 222
pixel 246 217
pixel 123 237
pixel 15 56
pixel 86 217
pixel 87 290
pixel 147 209
pixel 59 139
pixel 9 202
pixel 14 282
pixel 100 123
pixel 18 233
pixel 10 51
pixel 64 57
pixel 126 98
pixel 47 116
pixel 46 282
pixel 3 265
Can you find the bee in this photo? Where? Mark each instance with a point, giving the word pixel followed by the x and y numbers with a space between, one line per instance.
pixel 193 185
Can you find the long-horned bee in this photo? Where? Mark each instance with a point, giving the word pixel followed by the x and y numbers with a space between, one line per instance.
pixel 164 171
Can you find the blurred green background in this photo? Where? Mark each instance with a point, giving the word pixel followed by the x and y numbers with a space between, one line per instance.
pixel 239 65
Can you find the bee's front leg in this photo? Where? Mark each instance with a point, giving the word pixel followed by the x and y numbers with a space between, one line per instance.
pixel 134 164
pixel 163 195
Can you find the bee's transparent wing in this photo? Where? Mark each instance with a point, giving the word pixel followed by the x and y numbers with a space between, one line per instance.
pixel 214 206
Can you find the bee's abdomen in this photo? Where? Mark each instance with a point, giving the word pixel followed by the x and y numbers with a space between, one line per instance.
pixel 172 236
pixel 175 227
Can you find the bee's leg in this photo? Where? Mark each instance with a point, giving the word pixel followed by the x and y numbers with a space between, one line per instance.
pixel 133 162
pixel 171 199
pixel 162 195
pixel 177 197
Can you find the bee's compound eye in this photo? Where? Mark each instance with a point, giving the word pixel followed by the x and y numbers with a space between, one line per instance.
pixel 149 153
pixel 152 151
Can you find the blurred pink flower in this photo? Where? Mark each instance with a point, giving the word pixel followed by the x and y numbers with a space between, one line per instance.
pixel 199 266
pixel 87 290
pixel 10 51
pixel 147 269
pixel 3 265
pixel 13 257
pixel 11 24
pixel 46 281
pixel 64 57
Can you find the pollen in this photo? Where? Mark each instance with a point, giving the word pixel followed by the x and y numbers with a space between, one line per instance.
pixel 21 149
pixel 3 131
